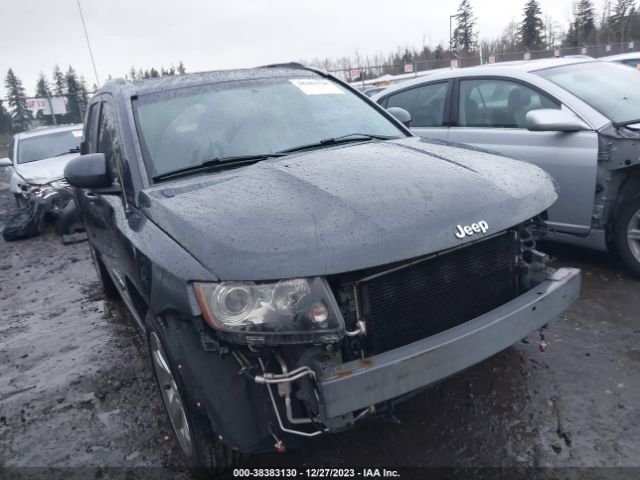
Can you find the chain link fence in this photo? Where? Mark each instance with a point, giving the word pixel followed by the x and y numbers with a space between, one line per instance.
pixel 369 74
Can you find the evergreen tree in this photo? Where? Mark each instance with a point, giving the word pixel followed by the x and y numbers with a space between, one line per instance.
pixel 532 27
pixel 74 111
pixel 585 22
pixel 20 116
pixel 620 20
pixel 5 119
pixel 83 95
pixel 43 91
pixel 181 69
pixel 464 37
pixel 59 84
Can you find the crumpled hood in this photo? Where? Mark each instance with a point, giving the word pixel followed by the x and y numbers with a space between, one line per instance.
pixel 345 208
pixel 44 171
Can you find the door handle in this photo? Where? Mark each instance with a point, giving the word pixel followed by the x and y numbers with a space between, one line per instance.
pixel 90 195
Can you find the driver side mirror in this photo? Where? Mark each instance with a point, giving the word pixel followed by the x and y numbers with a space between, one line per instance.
pixel 5 162
pixel 552 120
pixel 401 115
pixel 88 171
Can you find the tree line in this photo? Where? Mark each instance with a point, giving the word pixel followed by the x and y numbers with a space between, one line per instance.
pixel 617 21
pixel 16 117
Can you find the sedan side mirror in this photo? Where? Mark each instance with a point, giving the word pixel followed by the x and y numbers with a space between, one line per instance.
pixel 88 171
pixel 552 120
pixel 5 162
pixel 401 115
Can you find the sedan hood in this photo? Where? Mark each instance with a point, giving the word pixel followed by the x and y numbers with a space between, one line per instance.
pixel 44 171
pixel 345 208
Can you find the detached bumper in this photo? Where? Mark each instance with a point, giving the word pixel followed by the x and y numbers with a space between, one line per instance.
pixel 358 384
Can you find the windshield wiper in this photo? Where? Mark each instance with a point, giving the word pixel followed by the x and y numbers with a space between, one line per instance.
pixel 351 137
pixel 219 161
pixel 626 124
pixel 71 150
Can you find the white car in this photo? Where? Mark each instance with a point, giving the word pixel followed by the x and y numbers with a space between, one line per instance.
pixel 37 159
pixel 631 59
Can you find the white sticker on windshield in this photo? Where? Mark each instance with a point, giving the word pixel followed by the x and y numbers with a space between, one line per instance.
pixel 317 86
pixel 77 133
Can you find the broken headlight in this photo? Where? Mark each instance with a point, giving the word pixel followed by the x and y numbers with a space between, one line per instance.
pixel 298 310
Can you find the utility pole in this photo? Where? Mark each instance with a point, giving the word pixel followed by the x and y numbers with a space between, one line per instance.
pixel 86 36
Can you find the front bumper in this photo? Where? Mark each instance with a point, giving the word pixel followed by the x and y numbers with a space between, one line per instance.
pixel 361 383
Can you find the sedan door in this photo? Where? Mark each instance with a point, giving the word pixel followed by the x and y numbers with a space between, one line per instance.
pixel 490 113
pixel 428 105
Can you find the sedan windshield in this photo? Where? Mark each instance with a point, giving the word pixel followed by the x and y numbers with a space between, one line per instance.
pixel 187 127
pixel 32 149
pixel 611 89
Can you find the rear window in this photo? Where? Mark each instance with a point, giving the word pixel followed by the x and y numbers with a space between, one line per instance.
pixel 32 149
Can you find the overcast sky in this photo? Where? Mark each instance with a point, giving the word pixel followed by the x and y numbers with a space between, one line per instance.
pixel 214 34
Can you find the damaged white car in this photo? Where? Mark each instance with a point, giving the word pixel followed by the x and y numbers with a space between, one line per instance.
pixel 36 176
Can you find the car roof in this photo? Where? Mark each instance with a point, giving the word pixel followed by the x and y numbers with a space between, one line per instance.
pixel 171 82
pixel 502 68
pixel 621 56
pixel 37 132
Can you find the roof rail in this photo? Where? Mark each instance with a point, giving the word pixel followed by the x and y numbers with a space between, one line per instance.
pixel 284 65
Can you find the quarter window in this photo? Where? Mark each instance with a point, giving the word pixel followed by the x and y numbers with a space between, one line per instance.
pixel 498 103
pixel 425 104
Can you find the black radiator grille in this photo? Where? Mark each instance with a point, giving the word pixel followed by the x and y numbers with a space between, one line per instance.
pixel 433 295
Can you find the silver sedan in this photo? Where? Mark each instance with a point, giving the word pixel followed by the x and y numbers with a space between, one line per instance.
pixel 579 119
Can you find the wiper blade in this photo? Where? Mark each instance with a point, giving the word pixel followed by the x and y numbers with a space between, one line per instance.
pixel 627 124
pixel 351 137
pixel 71 150
pixel 218 161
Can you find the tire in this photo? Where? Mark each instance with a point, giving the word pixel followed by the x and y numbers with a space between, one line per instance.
pixel 108 287
pixel 203 452
pixel 627 235
pixel 69 221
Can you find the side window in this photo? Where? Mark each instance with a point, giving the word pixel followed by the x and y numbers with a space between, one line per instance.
pixel 498 103
pixel 108 141
pixel 90 127
pixel 425 104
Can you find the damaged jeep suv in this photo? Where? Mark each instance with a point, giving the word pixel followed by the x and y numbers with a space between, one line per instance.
pixel 296 258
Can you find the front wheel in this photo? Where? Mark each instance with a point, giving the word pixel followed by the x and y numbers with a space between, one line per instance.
pixel 627 235
pixel 191 428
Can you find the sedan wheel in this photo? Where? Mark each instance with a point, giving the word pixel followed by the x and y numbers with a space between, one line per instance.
pixel 171 395
pixel 633 235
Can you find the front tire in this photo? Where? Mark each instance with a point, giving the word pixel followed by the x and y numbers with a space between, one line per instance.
pixel 192 430
pixel 627 235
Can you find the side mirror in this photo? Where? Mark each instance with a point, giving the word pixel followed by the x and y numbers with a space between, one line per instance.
pixel 88 171
pixel 5 162
pixel 401 115
pixel 552 120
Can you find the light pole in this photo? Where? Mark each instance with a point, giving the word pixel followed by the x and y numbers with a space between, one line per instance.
pixel 86 36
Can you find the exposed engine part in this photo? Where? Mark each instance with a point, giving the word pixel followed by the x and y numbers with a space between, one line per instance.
pixel 277 412
pixel 361 330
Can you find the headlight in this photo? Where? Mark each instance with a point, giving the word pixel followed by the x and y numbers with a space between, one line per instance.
pixel 297 310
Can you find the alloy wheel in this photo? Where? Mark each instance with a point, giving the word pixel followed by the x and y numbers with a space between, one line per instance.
pixel 171 395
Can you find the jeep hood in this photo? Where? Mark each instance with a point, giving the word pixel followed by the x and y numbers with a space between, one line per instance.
pixel 44 171
pixel 344 208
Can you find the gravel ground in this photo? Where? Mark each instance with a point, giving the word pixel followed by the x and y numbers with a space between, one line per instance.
pixel 77 389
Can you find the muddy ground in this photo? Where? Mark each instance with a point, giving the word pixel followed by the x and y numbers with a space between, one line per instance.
pixel 76 388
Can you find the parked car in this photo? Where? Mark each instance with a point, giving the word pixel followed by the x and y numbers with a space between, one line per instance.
pixel 578 119
pixel 36 172
pixel 37 159
pixel 631 59
pixel 296 258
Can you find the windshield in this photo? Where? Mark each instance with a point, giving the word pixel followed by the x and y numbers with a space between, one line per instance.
pixel 188 126
pixel 612 89
pixel 32 149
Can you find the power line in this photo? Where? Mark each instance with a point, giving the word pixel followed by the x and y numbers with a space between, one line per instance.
pixel 86 36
